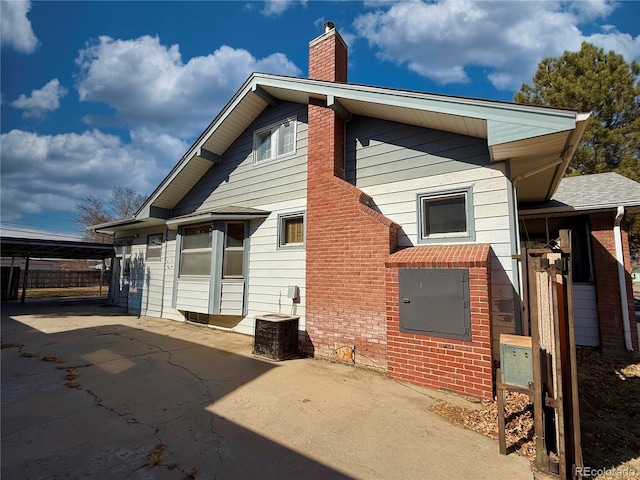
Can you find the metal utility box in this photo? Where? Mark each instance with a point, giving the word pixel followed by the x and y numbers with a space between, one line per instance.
pixel 516 360
pixel 435 302
pixel 276 336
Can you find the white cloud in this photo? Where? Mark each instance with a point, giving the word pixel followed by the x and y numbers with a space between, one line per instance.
pixel 41 101
pixel 612 39
pixel 53 172
pixel 592 9
pixel 442 40
pixel 149 86
pixel 278 7
pixel 15 27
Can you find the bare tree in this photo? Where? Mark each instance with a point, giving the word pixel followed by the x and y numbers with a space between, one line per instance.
pixel 92 210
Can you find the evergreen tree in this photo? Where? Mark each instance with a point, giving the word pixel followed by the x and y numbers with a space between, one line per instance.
pixel 607 86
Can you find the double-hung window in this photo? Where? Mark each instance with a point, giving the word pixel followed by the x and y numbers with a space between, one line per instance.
pixel 275 141
pixel 446 216
pixel 195 255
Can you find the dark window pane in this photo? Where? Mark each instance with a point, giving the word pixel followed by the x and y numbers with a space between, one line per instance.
pixel 235 234
pixel 445 215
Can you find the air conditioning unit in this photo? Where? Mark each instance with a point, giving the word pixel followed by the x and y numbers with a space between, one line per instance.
pixel 276 336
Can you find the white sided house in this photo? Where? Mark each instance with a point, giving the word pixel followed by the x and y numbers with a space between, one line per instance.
pixel 357 196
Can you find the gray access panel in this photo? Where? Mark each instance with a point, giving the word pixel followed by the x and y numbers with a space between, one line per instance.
pixel 435 302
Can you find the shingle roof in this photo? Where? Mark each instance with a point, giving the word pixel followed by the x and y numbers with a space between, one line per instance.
pixel 603 191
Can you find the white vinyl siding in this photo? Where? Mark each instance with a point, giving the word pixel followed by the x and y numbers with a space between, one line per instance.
pixel 236 181
pixel 277 187
pixel 231 298
pixel 193 295
pixel 272 270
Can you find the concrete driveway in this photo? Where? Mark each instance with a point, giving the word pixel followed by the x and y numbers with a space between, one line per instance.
pixel 92 392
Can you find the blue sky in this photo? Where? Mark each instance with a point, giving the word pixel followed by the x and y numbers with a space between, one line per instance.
pixel 103 94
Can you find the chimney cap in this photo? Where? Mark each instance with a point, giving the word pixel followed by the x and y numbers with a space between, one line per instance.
pixel 328 26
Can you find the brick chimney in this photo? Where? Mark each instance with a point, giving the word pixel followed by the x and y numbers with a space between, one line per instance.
pixel 328 56
pixel 347 242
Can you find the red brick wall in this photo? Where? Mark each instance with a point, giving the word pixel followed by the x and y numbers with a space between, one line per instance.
pixel 462 366
pixel 347 242
pixel 328 58
pixel 607 284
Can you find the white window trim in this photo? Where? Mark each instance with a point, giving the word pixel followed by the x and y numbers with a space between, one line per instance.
pixel 274 129
pixel 467 236
pixel 281 232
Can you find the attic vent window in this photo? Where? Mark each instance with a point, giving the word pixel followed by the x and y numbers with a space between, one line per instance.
pixel 275 141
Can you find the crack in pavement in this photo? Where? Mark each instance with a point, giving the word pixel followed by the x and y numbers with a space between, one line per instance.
pixel 219 439
pixel 131 420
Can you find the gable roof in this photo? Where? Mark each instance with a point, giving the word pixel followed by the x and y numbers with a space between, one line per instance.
pixel 589 193
pixel 537 141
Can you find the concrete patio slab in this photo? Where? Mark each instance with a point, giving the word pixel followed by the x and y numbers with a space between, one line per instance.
pixel 117 387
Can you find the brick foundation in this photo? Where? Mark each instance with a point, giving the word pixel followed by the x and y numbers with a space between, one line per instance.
pixel 462 366
pixel 607 284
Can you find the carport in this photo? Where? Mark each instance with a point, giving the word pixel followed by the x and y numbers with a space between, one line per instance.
pixel 49 249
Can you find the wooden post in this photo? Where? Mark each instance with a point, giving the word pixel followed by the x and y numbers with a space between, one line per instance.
pixel 542 460
pixel 574 440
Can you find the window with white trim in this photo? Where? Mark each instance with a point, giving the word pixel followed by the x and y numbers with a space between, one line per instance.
pixel 291 230
pixel 154 247
pixel 195 254
pixel 446 216
pixel 274 141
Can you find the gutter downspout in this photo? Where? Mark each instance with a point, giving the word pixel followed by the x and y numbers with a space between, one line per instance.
pixel 617 235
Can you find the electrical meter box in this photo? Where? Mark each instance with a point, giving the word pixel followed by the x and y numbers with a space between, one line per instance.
pixel 516 361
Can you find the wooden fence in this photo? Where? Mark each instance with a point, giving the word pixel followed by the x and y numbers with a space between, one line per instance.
pixel 64 278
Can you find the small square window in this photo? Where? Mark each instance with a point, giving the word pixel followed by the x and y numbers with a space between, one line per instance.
pixel 275 141
pixel 291 230
pixel 446 216
pixel 154 247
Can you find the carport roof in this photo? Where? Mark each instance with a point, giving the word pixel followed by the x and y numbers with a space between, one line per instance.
pixel 60 249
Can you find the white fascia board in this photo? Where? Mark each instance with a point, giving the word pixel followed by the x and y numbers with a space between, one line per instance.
pixel 542 117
